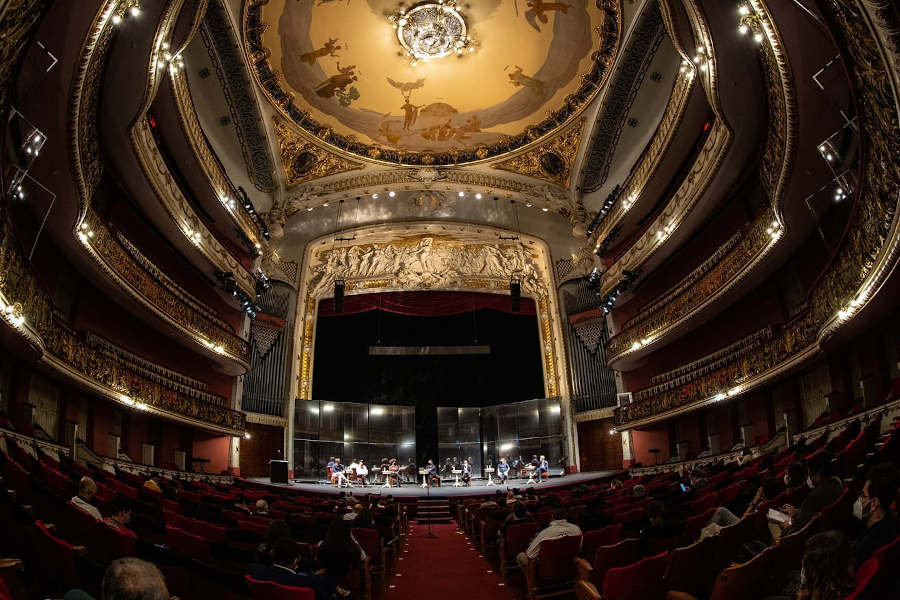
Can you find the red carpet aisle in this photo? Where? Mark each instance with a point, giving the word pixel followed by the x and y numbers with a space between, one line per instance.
pixel 444 568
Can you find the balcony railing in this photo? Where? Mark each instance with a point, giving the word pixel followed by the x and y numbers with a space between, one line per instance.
pixel 137 274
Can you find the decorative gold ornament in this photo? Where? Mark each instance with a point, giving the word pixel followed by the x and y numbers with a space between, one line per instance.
pixel 303 160
pixel 551 161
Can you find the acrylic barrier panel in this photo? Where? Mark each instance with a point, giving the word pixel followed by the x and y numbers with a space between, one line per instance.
pixel 350 431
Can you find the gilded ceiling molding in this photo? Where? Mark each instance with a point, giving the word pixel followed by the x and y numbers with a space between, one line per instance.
pixel 432 256
pixel 225 53
pixel 683 201
pixel 209 163
pixel 84 134
pixel 163 301
pixel 196 23
pixel 429 178
pixel 574 104
pixel 869 252
pixel 643 44
pixel 303 160
pixel 670 312
pixel 552 161
pixel 707 51
pixel 652 158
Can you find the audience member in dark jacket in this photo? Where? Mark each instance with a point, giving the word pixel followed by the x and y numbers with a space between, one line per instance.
pixel 284 557
pixel 873 508
pixel 825 490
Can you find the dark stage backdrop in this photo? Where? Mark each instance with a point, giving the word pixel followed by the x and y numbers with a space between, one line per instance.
pixel 346 372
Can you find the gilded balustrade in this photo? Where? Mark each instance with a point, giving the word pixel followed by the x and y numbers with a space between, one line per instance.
pixel 866 257
pixel 168 301
pixel 651 324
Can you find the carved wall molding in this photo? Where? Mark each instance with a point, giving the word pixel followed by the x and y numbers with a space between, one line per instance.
pixel 179 209
pixel 223 45
pixel 261 419
pixel 551 162
pixel 278 268
pixel 303 161
pixel 574 104
pixel 209 162
pixel 642 47
pixel 866 257
pixel 130 276
pixel 432 256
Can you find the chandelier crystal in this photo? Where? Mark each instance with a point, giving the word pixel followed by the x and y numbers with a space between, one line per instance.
pixel 431 30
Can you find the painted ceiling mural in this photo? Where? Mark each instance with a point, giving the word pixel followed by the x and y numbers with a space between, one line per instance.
pixel 433 82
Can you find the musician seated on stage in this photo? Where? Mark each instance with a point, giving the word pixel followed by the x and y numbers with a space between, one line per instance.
pixel 337 473
pixel 503 471
pixel 431 472
pixel 362 473
pixel 466 472
pixel 394 468
pixel 410 470
pixel 543 469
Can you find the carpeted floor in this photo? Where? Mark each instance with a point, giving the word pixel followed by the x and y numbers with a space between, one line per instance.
pixel 444 568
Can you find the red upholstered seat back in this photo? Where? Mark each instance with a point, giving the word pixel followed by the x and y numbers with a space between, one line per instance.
pixel 642 580
pixel 111 543
pixel 268 590
pixel 694 524
pixel 251 526
pixel 864 576
pixel 692 569
pixel 601 537
pixel 208 531
pixel 744 581
pixel 518 537
pixel 617 555
pixel 556 558
pixel 190 545
pixel 368 539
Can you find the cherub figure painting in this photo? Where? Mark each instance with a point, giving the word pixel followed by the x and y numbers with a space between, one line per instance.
pixel 337 83
pixel 537 8
pixel 329 48
pixel 519 79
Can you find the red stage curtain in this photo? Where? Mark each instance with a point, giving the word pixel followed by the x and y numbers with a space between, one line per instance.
pixel 424 304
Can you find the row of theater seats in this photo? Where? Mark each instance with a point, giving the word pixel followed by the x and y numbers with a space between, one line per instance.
pixel 195 533
pixel 611 563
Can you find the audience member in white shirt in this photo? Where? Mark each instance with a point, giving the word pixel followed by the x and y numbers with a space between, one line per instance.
pixel 557 528
pixel 87 489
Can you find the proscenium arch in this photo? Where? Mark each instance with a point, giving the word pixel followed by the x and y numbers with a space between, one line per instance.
pixel 429 255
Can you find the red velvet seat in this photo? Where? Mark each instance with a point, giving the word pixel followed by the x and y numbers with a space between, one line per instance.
pixel 553 573
pixel 884 582
pixel 693 569
pixel 268 590
pixel 371 544
pixel 694 524
pixel 192 546
pixel 642 580
pixel 744 581
pixel 700 505
pixel 111 543
pixel 516 540
pixel 839 514
pixel 624 553
pixel 57 558
pixel 208 531
pixel 253 527
pixel 864 576
pixel 600 537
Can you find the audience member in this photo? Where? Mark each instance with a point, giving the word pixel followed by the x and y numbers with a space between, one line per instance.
pixel 152 483
pixel 276 531
pixel 657 526
pixel 638 491
pixel 262 507
pixel 363 519
pixel 594 517
pixel 825 487
pixel 873 508
pixel 558 527
pixel 133 579
pixel 795 474
pixel 87 489
pixel 284 558
pixel 827 571
pixel 119 513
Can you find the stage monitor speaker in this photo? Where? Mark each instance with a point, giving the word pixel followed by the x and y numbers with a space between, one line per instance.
pixel 278 471
pixel 339 296
pixel 515 295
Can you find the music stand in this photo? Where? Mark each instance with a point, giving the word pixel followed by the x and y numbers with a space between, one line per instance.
pixel 490 475
pixel 430 533
pixel 456 473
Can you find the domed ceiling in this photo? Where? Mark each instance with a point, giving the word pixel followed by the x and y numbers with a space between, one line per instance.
pixel 432 82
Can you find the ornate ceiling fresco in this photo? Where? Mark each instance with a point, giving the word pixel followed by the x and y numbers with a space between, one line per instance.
pixel 370 79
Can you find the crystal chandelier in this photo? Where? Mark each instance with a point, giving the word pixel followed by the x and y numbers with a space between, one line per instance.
pixel 431 30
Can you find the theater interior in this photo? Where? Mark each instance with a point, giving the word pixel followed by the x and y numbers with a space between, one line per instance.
pixel 628 264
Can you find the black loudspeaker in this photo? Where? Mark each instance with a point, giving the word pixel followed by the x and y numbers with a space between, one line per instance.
pixel 339 296
pixel 515 295
pixel 278 471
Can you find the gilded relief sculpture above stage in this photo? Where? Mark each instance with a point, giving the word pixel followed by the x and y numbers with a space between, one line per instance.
pixel 334 69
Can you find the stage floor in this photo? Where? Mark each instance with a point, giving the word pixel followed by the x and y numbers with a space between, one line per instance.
pixel 410 490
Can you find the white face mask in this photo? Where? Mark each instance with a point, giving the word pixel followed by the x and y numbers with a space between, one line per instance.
pixel 858 510
pixel 809 483
pixel 787 480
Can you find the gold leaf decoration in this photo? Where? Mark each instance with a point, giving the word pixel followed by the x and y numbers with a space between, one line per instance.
pixel 303 161
pixel 551 162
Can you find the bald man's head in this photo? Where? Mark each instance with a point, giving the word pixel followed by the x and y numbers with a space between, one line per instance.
pixel 87 489
pixel 133 579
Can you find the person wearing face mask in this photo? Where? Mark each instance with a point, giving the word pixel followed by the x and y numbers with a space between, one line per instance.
pixel 873 508
pixel 794 475
pixel 824 487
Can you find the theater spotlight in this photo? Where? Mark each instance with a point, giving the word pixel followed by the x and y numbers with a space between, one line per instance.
pixel 515 294
pixel 338 295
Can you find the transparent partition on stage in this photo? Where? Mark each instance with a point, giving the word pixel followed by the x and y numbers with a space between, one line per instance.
pixel 515 431
pixel 350 430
